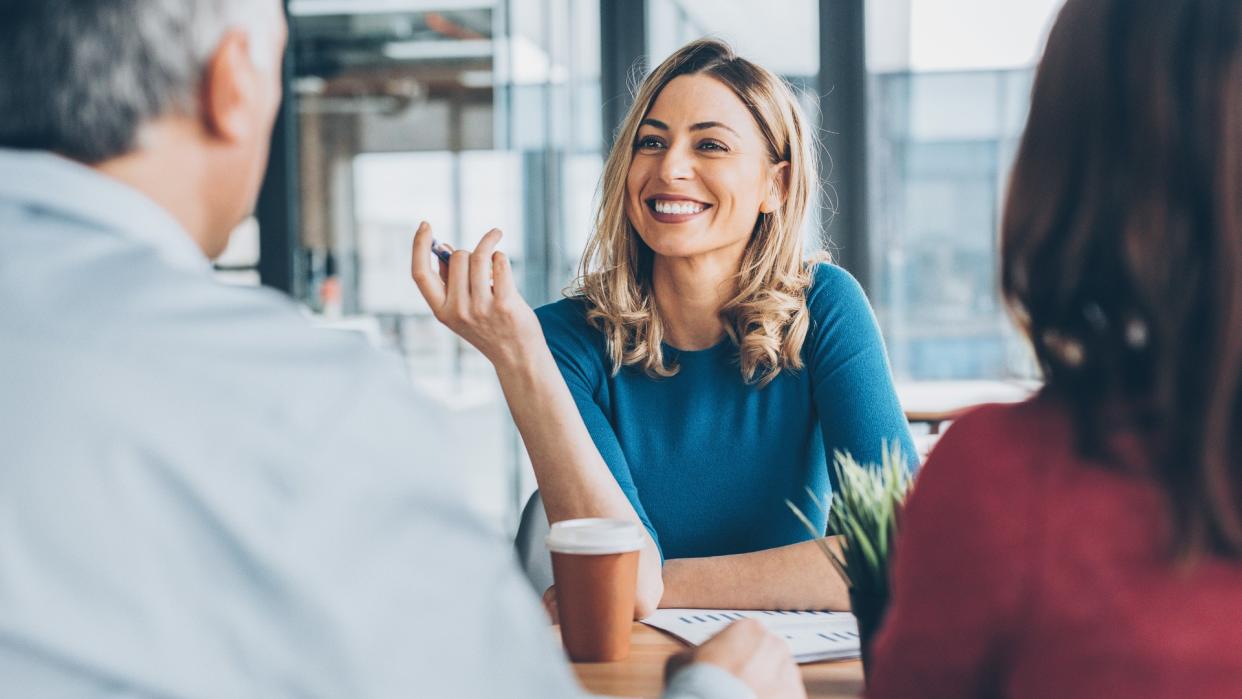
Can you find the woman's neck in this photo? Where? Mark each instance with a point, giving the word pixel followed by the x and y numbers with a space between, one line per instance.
pixel 689 292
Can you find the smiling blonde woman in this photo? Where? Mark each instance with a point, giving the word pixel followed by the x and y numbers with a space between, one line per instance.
pixel 701 371
pixel 765 314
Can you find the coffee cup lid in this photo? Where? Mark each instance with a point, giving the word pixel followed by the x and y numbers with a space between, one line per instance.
pixel 595 535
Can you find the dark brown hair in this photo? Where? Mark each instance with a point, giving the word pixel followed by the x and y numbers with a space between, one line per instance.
pixel 1122 242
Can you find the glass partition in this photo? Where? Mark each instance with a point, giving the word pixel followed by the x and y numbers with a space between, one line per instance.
pixel 470 114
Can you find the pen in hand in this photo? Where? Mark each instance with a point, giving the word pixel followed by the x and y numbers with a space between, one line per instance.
pixel 440 250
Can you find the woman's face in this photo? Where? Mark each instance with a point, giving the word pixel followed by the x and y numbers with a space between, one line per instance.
pixel 701 174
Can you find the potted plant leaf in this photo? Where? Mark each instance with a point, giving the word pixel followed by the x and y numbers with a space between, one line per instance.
pixel 864 512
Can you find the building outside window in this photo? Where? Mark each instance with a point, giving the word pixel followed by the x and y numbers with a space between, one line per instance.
pixel 949 82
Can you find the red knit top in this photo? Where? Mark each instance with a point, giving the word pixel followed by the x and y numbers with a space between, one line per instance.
pixel 1024 570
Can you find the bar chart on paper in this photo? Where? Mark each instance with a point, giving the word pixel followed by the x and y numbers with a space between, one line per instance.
pixel 812 636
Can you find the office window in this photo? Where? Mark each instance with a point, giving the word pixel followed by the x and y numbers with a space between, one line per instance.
pixel 948 98
pixel 470 114
pixel 785 41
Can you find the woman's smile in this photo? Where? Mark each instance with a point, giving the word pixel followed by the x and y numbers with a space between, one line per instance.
pixel 674 209
pixel 701 171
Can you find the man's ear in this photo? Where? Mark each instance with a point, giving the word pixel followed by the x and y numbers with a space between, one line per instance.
pixel 778 188
pixel 230 90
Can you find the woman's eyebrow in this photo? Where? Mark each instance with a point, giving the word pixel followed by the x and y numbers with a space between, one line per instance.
pixel 702 125
pixel 714 125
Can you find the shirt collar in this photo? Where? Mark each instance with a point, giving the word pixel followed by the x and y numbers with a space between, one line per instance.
pixel 44 180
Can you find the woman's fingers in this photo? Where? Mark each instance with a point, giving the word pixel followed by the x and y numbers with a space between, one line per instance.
pixel 442 264
pixel 503 285
pixel 459 284
pixel 481 266
pixel 430 284
pixel 475 295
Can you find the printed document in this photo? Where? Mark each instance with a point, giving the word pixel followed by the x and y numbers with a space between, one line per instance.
pixel 812 636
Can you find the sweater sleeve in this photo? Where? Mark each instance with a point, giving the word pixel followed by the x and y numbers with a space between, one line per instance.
pixel 853 386
pixel 962 567
pixel 578 350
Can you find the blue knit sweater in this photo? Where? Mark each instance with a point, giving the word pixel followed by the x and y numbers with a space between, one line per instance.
pixel 709 461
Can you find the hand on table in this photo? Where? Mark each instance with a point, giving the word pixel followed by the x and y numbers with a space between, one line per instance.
pixel 474 294
pixel 746 650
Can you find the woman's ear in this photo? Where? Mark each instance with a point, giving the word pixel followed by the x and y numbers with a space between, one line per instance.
pixel 778 188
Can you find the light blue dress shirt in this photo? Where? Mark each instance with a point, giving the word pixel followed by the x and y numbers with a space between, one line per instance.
pixel 203 496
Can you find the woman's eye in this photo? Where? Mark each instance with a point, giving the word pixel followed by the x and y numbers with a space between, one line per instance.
pixel 712 145
pixel 649 143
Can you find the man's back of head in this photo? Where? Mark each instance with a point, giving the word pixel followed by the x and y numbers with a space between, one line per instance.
pixel 142 88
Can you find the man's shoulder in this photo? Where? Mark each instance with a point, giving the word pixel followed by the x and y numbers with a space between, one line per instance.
pixel 264 343
pixel 114 314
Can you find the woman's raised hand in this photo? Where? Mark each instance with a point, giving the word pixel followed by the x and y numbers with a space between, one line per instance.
pixel 475 296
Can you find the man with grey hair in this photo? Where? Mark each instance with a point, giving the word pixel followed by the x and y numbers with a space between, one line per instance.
pixel 200 495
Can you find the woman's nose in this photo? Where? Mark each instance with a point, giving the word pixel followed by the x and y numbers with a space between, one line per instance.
pixel 677 164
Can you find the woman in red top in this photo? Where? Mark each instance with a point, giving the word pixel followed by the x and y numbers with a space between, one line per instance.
pixel 1088 543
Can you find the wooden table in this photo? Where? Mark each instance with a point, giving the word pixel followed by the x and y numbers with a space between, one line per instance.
pixel 642 674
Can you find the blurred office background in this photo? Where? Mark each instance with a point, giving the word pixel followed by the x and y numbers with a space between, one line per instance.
pixel 480 113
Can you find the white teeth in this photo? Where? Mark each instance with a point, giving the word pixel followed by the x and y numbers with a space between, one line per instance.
pixel 663 206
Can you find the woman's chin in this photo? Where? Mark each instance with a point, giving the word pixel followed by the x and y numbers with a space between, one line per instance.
pixel 671 250
pixel 674 246
pixel 677 243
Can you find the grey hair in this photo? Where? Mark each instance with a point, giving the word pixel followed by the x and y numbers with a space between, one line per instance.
pixel 81 77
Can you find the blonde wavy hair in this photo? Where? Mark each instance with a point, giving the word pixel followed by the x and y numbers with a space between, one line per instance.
pixel 767 318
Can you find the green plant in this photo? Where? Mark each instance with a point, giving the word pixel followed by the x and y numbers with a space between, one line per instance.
pixel 864 512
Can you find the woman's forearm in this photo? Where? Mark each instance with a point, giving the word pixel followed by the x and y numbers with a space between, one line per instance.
pixel 573 479
pixel 797 576
pixel 475 295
